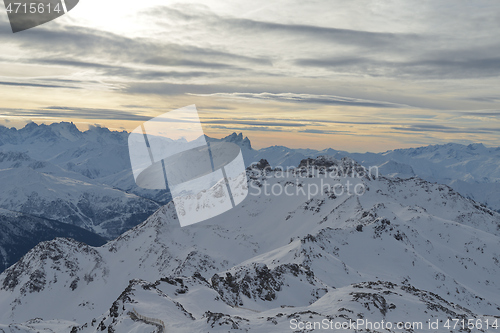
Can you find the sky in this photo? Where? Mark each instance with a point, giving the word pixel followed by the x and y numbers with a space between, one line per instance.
pixel 357 76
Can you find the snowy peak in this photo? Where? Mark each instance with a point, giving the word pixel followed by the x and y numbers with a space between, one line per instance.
pixel 50 133
pixel 34 272
pixel 238 139
pixel 58 133
pixel 449 151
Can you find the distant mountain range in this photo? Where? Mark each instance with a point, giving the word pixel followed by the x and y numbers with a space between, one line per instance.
pixel 472 170
pixel 100 156
pixel 403 250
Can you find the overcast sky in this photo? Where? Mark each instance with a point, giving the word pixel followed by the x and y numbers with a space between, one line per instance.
pixel 357 75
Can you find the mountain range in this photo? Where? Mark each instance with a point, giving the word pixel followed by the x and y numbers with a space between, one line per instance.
pixel 100 157
pixel 402 249
pixel 84 178
pixel 473 170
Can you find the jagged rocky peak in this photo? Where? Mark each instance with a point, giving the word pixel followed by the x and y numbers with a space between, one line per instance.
pixel 238 139
pixel 234 137
pixel 54 132
pixel 55 127
pixel 257 282
pixel 263 164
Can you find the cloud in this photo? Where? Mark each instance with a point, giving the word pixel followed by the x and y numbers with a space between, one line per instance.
pixel 252 128
pixel 204 53
pixel 244 26
pixel 135 106
pixel 253 123
pixel 123 71
pixel 309 98
pixel 486 99
pixel 317 131
pixel 482 113
pixel 327 121
pixel 216 108
pixel 167 88
pixel 105 49
pixel 74 112
pixel 65 112
pixel 445 129
pixel 134 70
pixel 440 66
pixel 35 85
pixel 131 65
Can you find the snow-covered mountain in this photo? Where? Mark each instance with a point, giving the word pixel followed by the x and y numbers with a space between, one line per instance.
pixel 40 201
pixel 82 178
pixel 19 233
pixel 98 153
pixel 472 170
pixel 39 188
pixel 97 156
pixel 384 249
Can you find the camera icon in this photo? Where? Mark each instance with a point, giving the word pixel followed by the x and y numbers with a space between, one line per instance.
pixel 171 152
